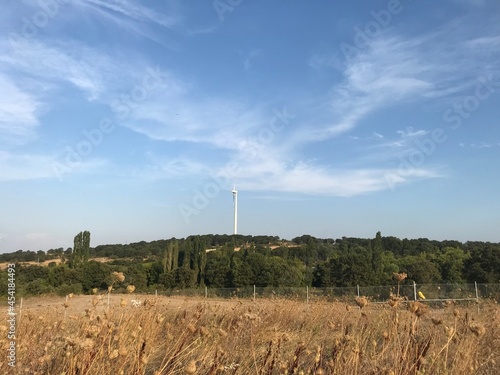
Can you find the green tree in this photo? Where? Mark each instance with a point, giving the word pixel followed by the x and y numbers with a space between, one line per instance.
pixel 184 278
pixel 136 275
pixel 167 259
pixel 322 275
pixel 353 266
pixel 377 252
pixel 38 287
pixel 63 275
pixel 154 272
pixel 96 275
pixel 175 257
pixel 241 272
pixel 260 270
pixel 218 270
pixel 81 249
pixel 285 272
pixel 169 255
pixel 389 267
pixel 200 259
pixel 26 274
pixel 450 262
pixel 420 269
pixel 483 266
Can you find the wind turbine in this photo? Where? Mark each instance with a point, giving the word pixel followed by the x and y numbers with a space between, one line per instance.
pixel 235 202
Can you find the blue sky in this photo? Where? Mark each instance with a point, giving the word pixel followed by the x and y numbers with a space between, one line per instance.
pixel 131 119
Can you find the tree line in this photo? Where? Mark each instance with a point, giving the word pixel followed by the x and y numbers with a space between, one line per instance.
pixel 228 261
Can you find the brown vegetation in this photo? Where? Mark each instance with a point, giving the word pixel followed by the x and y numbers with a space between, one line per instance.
pixel 82 335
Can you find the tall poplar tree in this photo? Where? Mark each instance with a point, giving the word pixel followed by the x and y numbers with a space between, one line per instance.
pixel 81 249
pixel 377 257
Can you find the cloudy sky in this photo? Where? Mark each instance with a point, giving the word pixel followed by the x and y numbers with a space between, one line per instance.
pixel 131 119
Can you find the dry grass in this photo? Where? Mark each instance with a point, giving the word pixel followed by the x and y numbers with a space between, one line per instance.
pixel 192 336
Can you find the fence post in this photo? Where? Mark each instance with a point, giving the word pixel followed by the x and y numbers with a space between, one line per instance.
pixel 206 292
pixel 414 291
pixel 307 294
pixel 254 292
pixel 357 289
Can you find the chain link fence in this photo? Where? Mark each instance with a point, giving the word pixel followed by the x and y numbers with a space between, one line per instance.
pixel 410 292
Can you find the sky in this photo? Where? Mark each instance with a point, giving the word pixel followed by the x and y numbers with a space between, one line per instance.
pixel 134 119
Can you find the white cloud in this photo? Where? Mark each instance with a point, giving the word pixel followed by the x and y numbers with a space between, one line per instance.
pixel 481 145
pixel 117 9
pixel 392 69
pixel 84 68
pixel 131 16
pixel 34 74
pixel 181 116
pixel 394 148
pixel 409 132
pixel 320 61
pixel 307 178
pixel 249 57
pixel 484 42
pixel 24 166
pixel 18 108
pixel 389 71
pixel 468 3
pixel 161 168
pixel 31 166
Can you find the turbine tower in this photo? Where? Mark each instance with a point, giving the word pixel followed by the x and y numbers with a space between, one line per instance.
pixel 235 202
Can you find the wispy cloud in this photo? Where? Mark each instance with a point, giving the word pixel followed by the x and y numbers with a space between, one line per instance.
pixel 393 69
pixel 469 3
pixel 31 166
pixel 161 168
pixel 36 72
pixel 482 42
pixel 118 10
pixel 178 115
pixel 307 178
pixel 132 17
pixel 89 70
pixel 410 132
pixel 249 57
pixel 24 166
pixel 18 109
pixel 481 145
pixel 395 147
pixel 389 71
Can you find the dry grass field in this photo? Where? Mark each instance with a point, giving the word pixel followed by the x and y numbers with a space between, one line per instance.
pixel 195 336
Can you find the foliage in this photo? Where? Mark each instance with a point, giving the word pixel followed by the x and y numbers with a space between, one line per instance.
pixel 264 261
pixel 96 275
pixel 81 249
